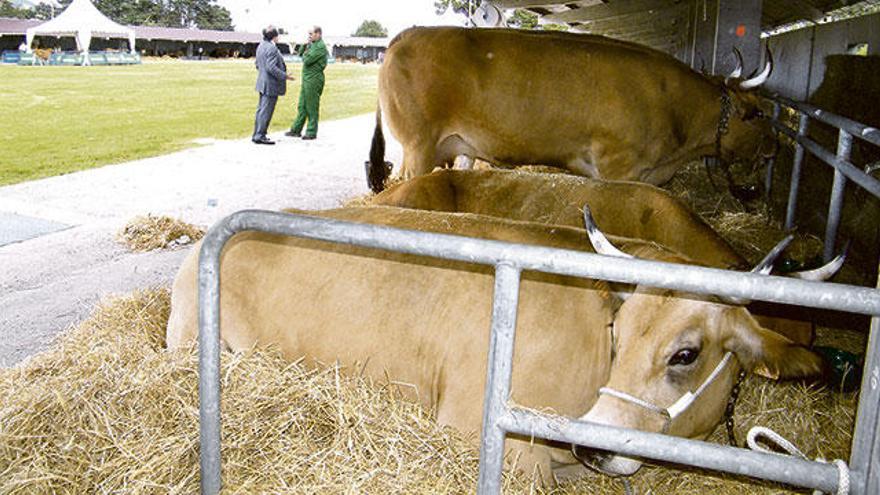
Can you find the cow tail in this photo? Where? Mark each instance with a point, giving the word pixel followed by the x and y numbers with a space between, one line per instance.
pixel 377 168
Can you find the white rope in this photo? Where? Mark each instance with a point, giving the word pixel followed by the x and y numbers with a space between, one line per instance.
pixel 682 403
pixel 768 434
pixel 630 398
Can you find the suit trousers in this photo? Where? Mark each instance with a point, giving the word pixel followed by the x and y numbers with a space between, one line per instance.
pixel 265 109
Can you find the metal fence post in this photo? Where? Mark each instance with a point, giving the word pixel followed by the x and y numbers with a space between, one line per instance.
pixel 844 148
pixel 865 456
pixel 498 374
pixel 803 127
pixel 209 355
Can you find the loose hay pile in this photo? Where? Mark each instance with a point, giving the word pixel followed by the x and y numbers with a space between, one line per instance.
pixel 108 409
pixel 750 231
pixel 147 233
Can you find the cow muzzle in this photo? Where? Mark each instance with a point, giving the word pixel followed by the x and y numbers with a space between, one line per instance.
pixel 613 464
pixel 607 463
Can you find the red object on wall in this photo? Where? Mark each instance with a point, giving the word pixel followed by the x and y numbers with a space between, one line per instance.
pixel 740 31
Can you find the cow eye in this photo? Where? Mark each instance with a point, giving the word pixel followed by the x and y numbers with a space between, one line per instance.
pixel 684 357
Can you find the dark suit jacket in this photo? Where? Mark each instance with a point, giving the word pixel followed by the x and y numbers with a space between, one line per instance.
pixel 271 70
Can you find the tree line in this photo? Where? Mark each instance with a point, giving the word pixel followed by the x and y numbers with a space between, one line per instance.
pixel 201 14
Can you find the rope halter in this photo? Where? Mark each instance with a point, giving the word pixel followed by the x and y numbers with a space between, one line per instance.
pixel 679 406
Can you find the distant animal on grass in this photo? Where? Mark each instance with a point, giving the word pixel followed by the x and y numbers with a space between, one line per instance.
pixel 425 322
pixel 599 107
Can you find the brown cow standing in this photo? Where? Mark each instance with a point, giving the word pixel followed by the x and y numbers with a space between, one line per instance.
pixel 599 107
pixel 625 209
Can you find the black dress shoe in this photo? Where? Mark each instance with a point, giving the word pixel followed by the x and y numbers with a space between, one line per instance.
pixel 307 137
pixel 263 141
pixel 292 134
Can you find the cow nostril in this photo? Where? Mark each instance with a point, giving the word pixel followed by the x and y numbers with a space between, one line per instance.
pixel 592 458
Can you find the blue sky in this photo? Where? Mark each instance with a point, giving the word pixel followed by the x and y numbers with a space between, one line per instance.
pixel 336 17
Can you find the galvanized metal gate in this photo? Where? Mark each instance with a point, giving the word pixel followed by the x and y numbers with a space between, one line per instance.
pixel 509 260
pixel 499 418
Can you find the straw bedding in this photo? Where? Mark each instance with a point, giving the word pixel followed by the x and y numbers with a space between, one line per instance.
pixel 148 233
pixel 109 410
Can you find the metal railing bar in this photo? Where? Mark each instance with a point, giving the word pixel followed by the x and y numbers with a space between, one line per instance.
pixel 500 367
pixel 867 427
pixel 857 129
pixel 823 295
pixel 835 204
pixel 797 166
pixel 852 172
pixel 209 354
pixel 781 468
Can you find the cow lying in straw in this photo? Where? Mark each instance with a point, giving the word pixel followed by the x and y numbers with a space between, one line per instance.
pixel 425 323
pixel 626 209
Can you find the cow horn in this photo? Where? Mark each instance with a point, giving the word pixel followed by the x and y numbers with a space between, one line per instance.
pixel 762 268
pixel 766 264
pixel 600 243
pixel 761 78
pixel 827 270
pixel 738 71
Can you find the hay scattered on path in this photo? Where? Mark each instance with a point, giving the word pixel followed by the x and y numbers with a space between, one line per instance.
pixel 109 410
pixel 147 233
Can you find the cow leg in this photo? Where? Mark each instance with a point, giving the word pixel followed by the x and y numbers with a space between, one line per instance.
pixel 454 150
pixel 418 160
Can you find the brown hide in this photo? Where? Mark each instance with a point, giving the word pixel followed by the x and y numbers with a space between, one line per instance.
pixel 599 107
pixel 625 209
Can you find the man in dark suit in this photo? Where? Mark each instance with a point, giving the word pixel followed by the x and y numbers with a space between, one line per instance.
pixel 272 80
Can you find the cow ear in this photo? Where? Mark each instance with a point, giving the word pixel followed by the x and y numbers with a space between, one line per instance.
pixel 765 352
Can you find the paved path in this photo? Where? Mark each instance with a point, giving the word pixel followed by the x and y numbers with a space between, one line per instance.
pixel 50 282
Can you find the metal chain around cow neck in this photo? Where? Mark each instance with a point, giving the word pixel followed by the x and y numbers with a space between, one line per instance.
pixel 731 406
pixel 722 129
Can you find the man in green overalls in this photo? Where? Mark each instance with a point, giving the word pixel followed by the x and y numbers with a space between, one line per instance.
pixel 314 60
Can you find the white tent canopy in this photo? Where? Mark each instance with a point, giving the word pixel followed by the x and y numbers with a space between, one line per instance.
pixel 82 20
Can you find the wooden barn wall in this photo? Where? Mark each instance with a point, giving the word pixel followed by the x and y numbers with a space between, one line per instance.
pixel 800 56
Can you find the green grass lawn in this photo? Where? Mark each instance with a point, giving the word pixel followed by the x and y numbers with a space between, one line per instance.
pixel 55 120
